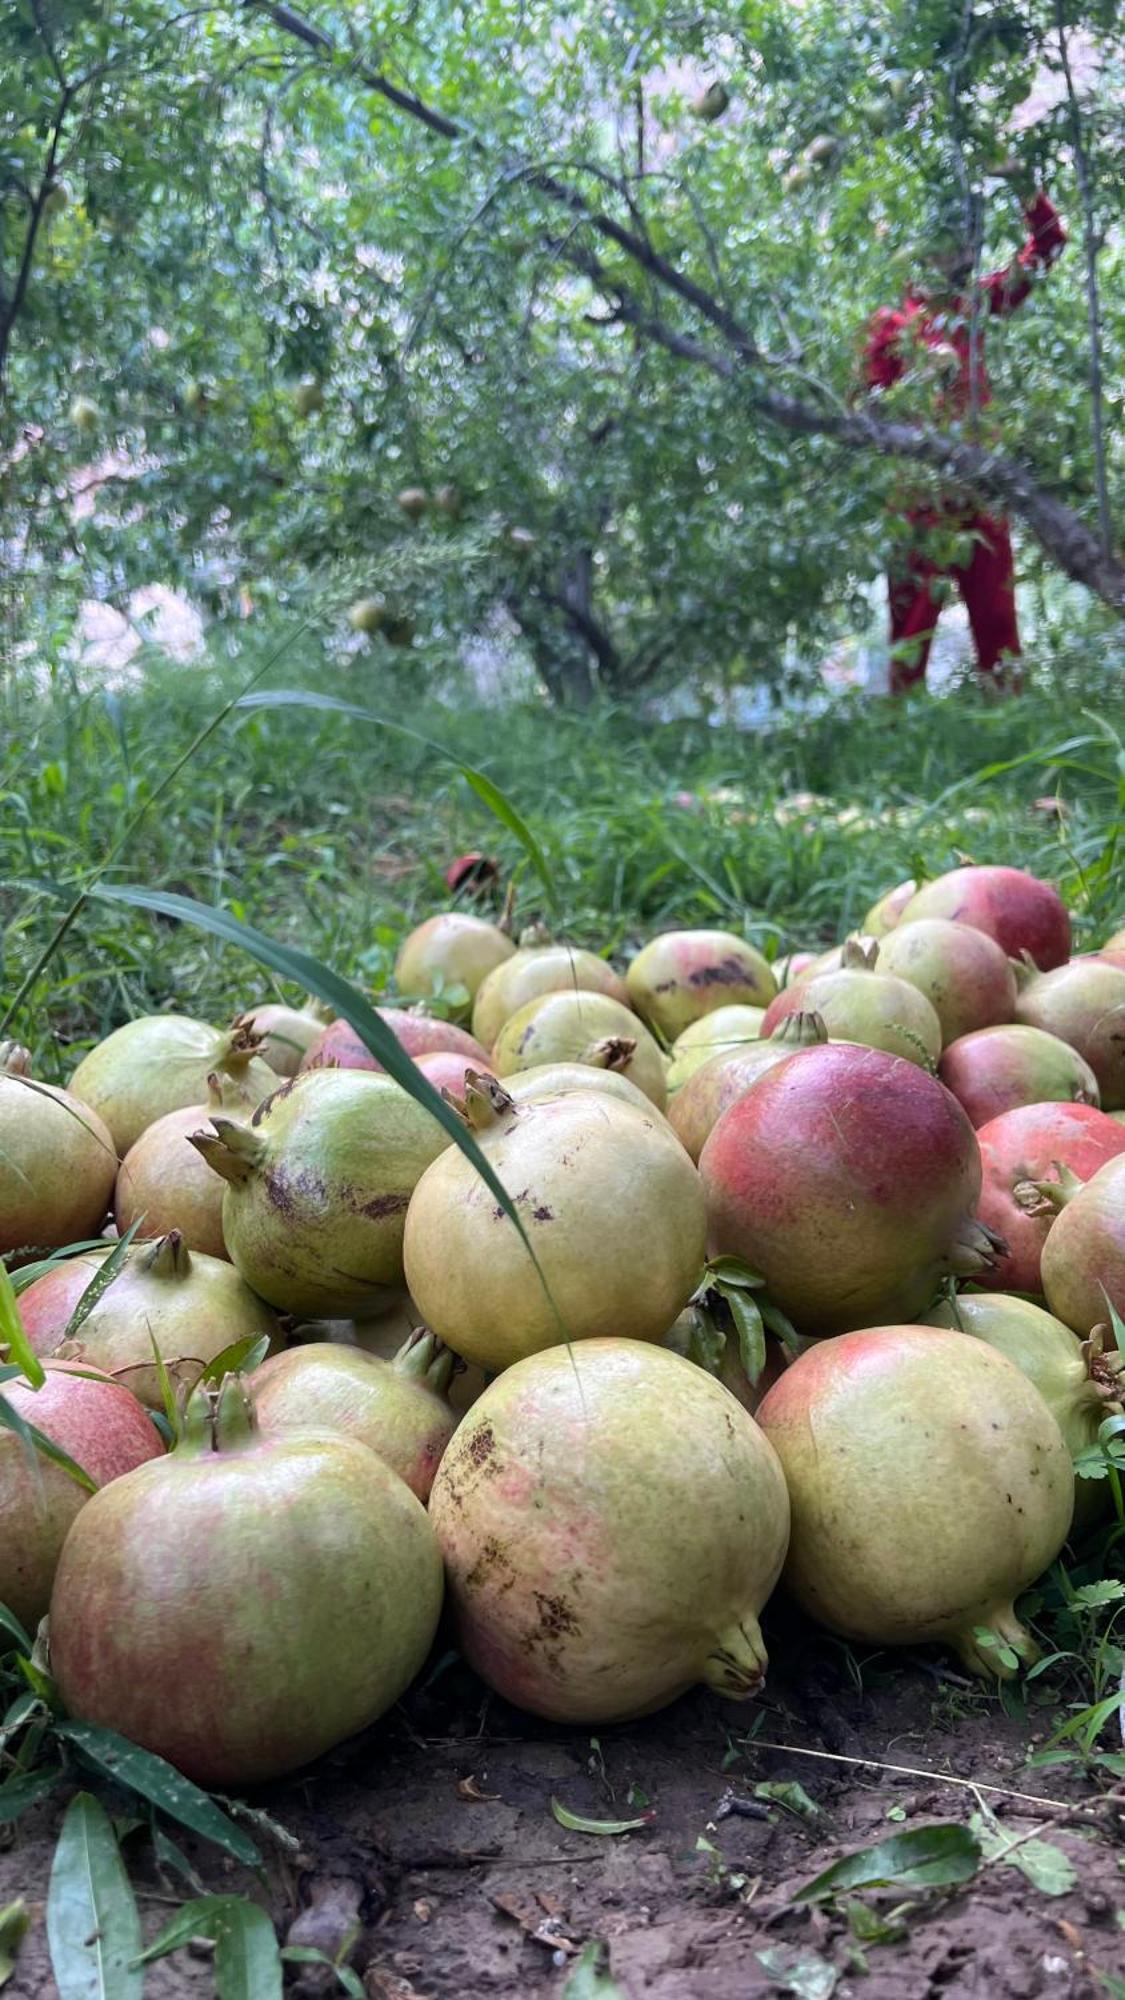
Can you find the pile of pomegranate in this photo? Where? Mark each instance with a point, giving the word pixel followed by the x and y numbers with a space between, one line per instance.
pixel 808 1277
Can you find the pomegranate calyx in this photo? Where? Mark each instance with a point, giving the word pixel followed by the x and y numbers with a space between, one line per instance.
pixel 856 956
pixel 233 1150
pixel 217 1418
pixel 978 1248
pixel 614 1052
pixel 986 1643
pixel 803 1029
pixel 427 1359
pixel 736 1664
pixel 168 1257
pixel 487 1103
pixel 15 1060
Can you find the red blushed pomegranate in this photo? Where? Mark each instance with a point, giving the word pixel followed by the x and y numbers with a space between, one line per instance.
pixel 419 1035
pixel 929 1483
pixel 1084 1255
pixel 998 1069
pixel 848 1178
pixel 964 974
pixel 104 1429
pixel 1020 912
pixel 1021 1148
pixel 1084 1004
pixel 247 1602
pixel 446 1069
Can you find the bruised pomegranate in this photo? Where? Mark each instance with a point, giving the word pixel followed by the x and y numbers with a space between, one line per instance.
pixel 163 1183
pixel 1020 912
pixel 963 973
pixel 727 1029
pixel 848 1178
pixel 1020 1149
pixel 285 1033
pixel 683 974
pixel 611 1205
pixel 1083 1265
pixel 858 1003
pixel 697 1107
pixel 99 1425
pixel 529 973
pixel 419 1034
pixel 612 1523
pixel 317 1189
pixel 1083 1003
pixel 998 1069
pixel 160 1063
pixel 581 1027
pixel 884 916
pixel 397 1408
pixel 246 1602
pixel 930 1484
pixel 166 1300
pixel 57 1161
pixel 450 955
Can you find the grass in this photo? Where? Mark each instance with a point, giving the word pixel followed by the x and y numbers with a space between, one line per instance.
pixel 330 833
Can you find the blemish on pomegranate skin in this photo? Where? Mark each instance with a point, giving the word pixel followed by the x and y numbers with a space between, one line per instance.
pixel 728 972
pixel 482 1444
pixel 384 1205
pixel 544 1214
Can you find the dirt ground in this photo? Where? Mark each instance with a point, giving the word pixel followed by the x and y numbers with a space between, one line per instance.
pixel 436 1828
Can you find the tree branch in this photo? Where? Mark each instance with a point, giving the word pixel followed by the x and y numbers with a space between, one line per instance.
pixel 10 312
pixel 1093 311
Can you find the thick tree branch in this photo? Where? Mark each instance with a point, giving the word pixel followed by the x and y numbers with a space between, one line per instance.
pixel 1059 530
pixel 1093 312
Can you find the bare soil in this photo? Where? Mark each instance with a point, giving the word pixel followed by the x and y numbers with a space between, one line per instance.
pixel 436 1829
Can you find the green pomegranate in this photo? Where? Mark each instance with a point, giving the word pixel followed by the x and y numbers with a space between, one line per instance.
pixel 860 1004
pixel 160 1063
pixel 612 1522
pixel 246 1602
pixel 285 1033
pixel 929 1483
pixel 683 974
pixel 554 1079
pixel 163 1183
pixel 398 1408
pixel 611 1206
pixel 57 1161
pixel 1083 1263
pixel 727 1029
pixel 318 1186
pixel 584 1028
pixel 883 916
pixel 450 954
pixel 531 972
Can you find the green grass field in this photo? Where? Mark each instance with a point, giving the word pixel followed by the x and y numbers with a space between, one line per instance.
pixel 329 831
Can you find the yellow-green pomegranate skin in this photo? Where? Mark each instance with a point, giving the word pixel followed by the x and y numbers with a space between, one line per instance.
pixel 612 1522
pixel 582 1027
pixel 929 1483
pixel 533 971
pixel 681 975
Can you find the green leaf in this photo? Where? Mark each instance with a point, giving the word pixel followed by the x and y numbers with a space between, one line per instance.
pixel 587 1981
pixel 1091 1596
pixel 23 1790
pixel 578 1823
pixel 15 1919
pixel 143 1772
pixel 307 1954
pixel 100 1282
pixel 751 1333
pixel 926 1857
pixel 247 1963
pixel 731 1274
pixel 93 1927
pixel 11 1624
pixel 788 1793
pixel 486 790
pixel 12 1335
pixel 807 1975
pixel 241 1357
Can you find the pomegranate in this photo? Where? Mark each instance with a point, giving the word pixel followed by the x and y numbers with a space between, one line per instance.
pixel 419 1034
pixel 612 1523
pixel 285 1033
pixel 318 1186
pixel 848 1178
pixel 160 1063
pixel 1083 1264
pixel 581 1027
pixel 1020 912
pixel 1076 1380
pixel 793 966
pixel 474 873
pixel 187 1306
pixel 246 1602
pixel 1116 942
pixel 726 1030
pixel 612 1207
pixel 163 1183
pixel 997 1069
pixel 1083 1003
pixel 930 1484
pixel 552 968
pixel 99 1425
pixel 859 1004
pixel 450 954
pixel 446 1070
pixel 883 917
pixel 1110 955
pixel 1020 1149
pixel 398 1408
pixel 697 1107
pixel 858 946
pixel 57 1161
pixel 384 1338
pixel 962 972
pixel 553 1079
pixel 683 974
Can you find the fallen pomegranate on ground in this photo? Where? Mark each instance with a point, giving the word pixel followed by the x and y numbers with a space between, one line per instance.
pixel 1083 1262
pixel 929 1484
pixel 997 1069
pixel 1021 1149
pixel 58 1161
pixel 612 1522
pixel 398 1408
pixel 1023 914
pixel 246 1602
